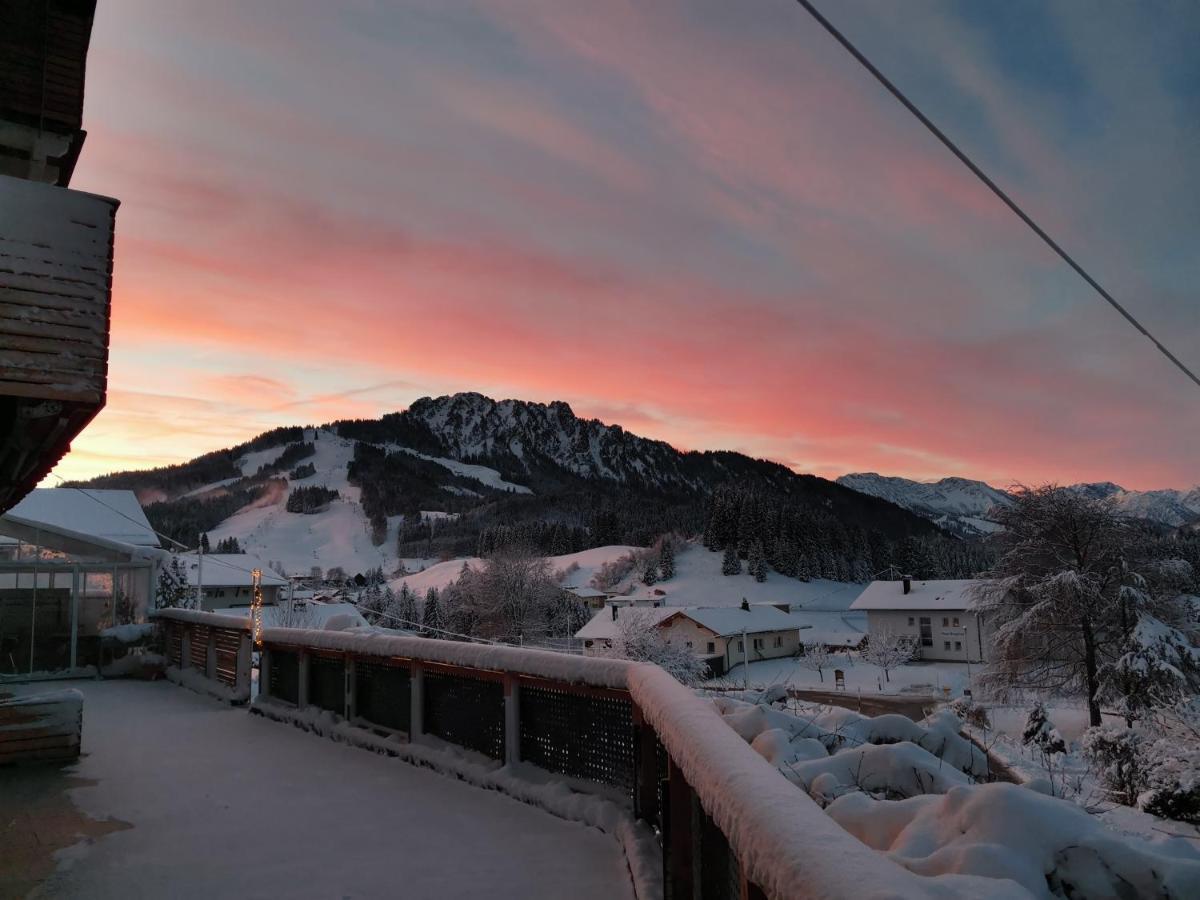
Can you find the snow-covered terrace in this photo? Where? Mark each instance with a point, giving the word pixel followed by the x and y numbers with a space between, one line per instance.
pixel 208 801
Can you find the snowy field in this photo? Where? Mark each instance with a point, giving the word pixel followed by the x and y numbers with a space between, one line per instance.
pixel 929 679
pixel 225 804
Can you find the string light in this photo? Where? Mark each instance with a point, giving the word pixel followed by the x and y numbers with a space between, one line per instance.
pixel 256 606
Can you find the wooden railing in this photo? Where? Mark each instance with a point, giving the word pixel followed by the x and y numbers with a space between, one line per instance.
pixel 209 651
pixel 42 727
pixel 730 825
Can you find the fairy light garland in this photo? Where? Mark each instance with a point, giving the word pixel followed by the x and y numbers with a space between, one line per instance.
pixel 256 606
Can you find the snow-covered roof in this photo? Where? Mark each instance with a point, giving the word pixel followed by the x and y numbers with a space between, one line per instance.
pixel 585 593
pixel 112 515
pixel 338 616
pixel 228 570
pixel 938 595
pixel 722 621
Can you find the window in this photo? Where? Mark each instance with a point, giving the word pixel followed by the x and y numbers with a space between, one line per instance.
pixel 712 647
pixel 958 645
pixel 926 631
pixel 945 622
pixel 911 622
pixel 741 647
pixel 945 645
pixel 688 644
pixel 758 643
pixel 778 641
pixel 955 621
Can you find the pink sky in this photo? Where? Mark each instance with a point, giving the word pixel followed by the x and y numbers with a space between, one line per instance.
pixel 701 223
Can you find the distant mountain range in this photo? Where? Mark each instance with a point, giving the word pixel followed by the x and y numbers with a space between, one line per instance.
pixel 477 467
pixel 966 507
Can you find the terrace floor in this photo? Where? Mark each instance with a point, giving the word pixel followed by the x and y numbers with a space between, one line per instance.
pixel 178 795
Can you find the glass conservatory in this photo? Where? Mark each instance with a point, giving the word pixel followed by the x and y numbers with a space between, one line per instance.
pixel 59 591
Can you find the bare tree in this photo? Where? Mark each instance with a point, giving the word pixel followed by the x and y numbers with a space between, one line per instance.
pixel 513 595
pixel 888 650
pixel 815 657
pixel 1063 596
pixel 638 638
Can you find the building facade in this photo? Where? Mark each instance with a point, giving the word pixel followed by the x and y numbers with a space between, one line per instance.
pixel 934 615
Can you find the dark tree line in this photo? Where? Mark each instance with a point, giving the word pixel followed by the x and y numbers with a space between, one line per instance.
pixel 291 455
pixel 310 500
pixel 805 542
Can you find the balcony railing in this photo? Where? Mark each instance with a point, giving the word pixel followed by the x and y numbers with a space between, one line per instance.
pixel 730 825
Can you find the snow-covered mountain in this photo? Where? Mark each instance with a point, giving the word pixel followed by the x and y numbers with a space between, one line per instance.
pixel 1168 507
pixel 966 507
pixel 439 477
pixel 959 505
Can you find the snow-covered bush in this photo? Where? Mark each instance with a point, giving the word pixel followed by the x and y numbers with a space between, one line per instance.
pixel 1041 733
pixel 1051 847
pixel 610 573
pixel 1120 760
pixel 967 710
pixel 1174 791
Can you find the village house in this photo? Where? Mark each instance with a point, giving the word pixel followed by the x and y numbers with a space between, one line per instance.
pixel 935 615
pixel 227 580
pixel 722 637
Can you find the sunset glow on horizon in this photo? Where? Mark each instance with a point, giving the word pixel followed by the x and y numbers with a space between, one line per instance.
pixel 698 220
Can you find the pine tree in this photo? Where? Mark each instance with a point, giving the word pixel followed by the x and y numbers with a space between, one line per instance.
pixel 431 614
pixel 666 559
pixel 649 573
pixel 204 543
pixel 406 608
pixel 731 565
pixel 757 561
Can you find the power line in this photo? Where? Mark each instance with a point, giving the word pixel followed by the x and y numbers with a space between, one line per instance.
pixel 995 189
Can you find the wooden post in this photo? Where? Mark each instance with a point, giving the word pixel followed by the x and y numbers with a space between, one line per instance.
pixel 264 668
pixel 681 823
pixel 416 682
pixel 185 645
pixel 302 686
pixel 645 761
pixel 512 720
pixel 210 656
pixel 350 711
pixel 244 682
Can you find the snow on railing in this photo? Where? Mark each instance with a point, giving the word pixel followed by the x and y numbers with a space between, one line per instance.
pixel 207 652
pixel 732 825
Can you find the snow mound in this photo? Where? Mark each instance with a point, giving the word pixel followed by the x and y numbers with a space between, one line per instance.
pixel 1050 847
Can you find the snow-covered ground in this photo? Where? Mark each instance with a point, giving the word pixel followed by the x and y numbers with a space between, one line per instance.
pixel 925 679
pixel 225 804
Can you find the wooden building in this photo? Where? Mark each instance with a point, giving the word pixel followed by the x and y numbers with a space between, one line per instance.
pixel 56 245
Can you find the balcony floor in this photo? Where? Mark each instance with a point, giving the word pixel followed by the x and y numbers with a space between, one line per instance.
pixel 194 799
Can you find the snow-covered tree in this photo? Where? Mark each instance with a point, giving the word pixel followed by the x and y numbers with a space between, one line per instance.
pixel 666 558
pixel 888 650
pixel 637 637
pixel 757 561
pixel 815 657
pixel 1119 758
pixel 1040 732
pixel 730 564
pixel 1053 594
pixel 431 613
pixel 173 590
pixel 649 573
pixel 401 612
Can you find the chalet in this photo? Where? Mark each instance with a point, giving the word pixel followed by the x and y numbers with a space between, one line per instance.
pixel 723 637
pixel 589 596
pixel 56 245
pixel 935 615
pixel 227 579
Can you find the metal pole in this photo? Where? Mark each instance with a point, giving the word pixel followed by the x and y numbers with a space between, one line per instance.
pixel 37 555
pixel 200 576
pixel 745 661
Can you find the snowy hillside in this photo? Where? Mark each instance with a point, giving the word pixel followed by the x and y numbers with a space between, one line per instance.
pixel 340 534
pixel 965 507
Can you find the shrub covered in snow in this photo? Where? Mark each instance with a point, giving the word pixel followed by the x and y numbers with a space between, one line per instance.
pixel 1120 760
pixel 1052 848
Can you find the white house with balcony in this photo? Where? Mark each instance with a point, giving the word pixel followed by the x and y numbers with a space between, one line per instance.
pixel 723 637
pixel 935 615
